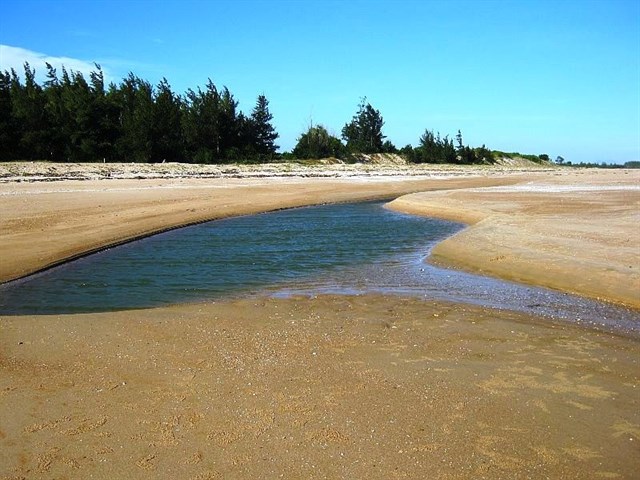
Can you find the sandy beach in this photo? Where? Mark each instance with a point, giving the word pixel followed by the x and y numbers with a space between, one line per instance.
pixel 576 233
pixel 328 386
pixel 45 222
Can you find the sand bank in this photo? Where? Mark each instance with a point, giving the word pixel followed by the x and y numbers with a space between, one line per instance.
pixel 578 232
pixel 329 387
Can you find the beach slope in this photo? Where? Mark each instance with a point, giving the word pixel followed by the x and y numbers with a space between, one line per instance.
pixel 578 232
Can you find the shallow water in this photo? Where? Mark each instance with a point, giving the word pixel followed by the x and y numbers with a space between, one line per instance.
pixel 349 248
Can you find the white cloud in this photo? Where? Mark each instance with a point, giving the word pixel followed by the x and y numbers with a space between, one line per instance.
pixel 15 57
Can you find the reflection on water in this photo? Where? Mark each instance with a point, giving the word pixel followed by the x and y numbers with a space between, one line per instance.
pixel 351 248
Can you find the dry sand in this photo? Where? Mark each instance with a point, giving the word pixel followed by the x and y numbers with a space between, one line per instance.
pixel 326 387
pixel 332 387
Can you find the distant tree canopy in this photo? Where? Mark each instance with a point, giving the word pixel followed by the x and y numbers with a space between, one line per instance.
pixel 316 142
pixel 433 148
pixel 364 133
pixel 72 119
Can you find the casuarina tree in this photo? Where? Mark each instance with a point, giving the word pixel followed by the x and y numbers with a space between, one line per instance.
pixel 364 133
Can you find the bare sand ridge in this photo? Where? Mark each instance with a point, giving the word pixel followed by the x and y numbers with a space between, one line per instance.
pixel 578 232
pixel 328 387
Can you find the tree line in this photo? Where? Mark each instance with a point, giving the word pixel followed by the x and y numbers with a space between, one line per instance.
pixel 70 118
pixel 363 134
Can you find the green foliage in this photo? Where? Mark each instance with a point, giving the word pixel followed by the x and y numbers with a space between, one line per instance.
pixel 364 133
pixel 70 118
pixel 9 128
pixel 436 149
pixel 388 147
pixel 74 119
pixel 288 156
pixel 484 155
pixel 632 164
pixel 317 143
pixel 206 113
pixel 28 115
pixel 261 131
pixel 166 126
pixel 409 153
pixel 532 158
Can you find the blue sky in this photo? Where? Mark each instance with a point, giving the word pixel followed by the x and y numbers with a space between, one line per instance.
pixel 560 77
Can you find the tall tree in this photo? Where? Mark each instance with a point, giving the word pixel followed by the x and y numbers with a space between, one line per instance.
pixel 464 154
pixel 8 124
pixel 135 101
pixel 82 103
pixel 229 126
pixel 435 149
pixel 58 118
pixel 364 133
pixel 262 131
pixel 202 124
pixel 28 109
pixel 166 131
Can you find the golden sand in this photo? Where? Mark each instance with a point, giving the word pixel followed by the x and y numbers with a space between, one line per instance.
pixel 578 232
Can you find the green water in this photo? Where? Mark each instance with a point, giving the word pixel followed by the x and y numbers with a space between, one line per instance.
pixel 225 258
pixel 344 249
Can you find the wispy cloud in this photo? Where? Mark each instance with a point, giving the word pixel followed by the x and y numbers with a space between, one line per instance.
pixel 15 57
pixel 114 69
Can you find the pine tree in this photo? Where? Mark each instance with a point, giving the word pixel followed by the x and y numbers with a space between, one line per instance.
pixel 229 125
pixel 167 130
pixel 8 126
pixel 262 132
pixel 135 101
pixel 28 109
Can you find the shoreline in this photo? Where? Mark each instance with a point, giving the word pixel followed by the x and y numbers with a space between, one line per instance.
pixel 489 202
pixel 39 171
pixel 151 206
pixel 577 238
pixel 469 199
pixel 124 241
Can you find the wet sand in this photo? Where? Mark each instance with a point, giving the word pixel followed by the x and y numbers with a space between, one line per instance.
pixel 325 387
